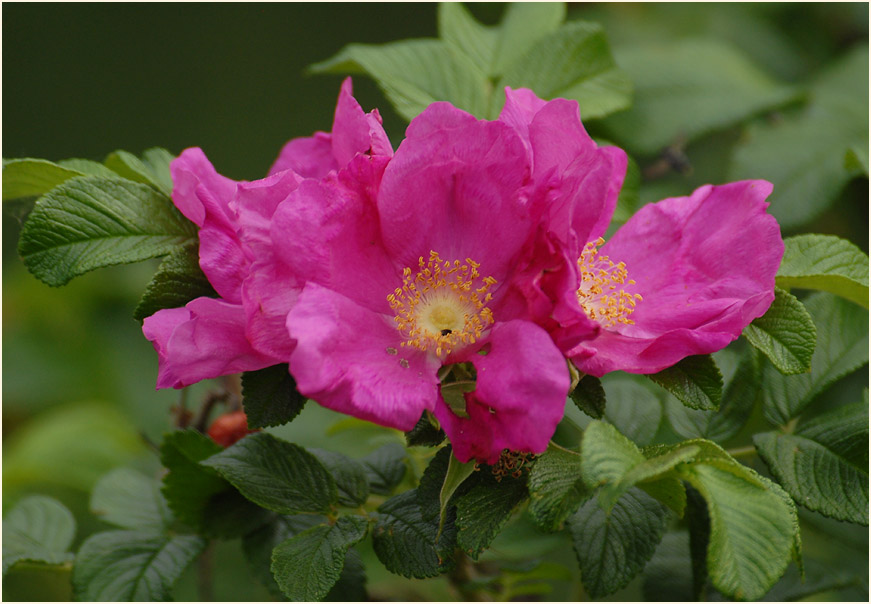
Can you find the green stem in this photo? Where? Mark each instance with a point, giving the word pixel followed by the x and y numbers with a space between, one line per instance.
pixel 204 575
pixel 742 451
pixel 790 427
pixel 556 446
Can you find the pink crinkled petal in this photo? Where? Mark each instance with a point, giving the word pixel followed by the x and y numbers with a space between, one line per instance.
pixel 519 399
pixel 354 131
pixel 705 266
pixel 197 188
pixel 310 157
pixel 203 340
pixel 222 259
pixel 454 183
pixel 350 359
pixel 328 232
pixel 268 294
pixel 255 204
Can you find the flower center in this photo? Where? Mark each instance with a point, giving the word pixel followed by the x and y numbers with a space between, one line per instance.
pixel 442 305
pixel 599 294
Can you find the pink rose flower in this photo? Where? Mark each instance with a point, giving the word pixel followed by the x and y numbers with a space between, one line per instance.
pixel 244 330
pixel 441 256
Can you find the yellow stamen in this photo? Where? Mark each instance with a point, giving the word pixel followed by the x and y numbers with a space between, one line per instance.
pixel 442 305
pixel 598 293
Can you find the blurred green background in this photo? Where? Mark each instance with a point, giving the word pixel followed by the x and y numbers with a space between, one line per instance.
pixel 82 80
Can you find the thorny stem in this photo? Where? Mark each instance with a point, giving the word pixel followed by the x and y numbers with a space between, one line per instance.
pixel 211 400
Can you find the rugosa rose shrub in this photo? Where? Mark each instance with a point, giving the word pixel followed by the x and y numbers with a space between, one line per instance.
pixel 472 250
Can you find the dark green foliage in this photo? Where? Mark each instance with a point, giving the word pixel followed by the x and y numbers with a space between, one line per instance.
pixel 270 397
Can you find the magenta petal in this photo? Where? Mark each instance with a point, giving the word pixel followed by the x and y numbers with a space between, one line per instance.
pixel 520 107
pixel 328 232
pixel 349 359
pixel 255 204
pixel 520 397
pixel 191 171
pixel 205 339
pixel 705 265
pixel 453 183
pixel 268 294
pixel 355 132
pixel 222 259
pixel 310 157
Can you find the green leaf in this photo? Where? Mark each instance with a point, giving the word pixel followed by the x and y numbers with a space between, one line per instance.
pixel 824 466
pixel 152 169
pixel 613 547
pixel 842 347
pixel 667 577
pixel 188 486
pixel 456 474
pixel 426 433
pixel 350 476
pixel 695 381
pixel 309 564
pixel 90 222
pixel 785 334
pixel 87 166
pixel 574 62
pixel 496 48
pixel 277 475
pixel 614 462
pixel 808 177
pixel 556 487
pixel 687 88
pixel 132 565
pixel 751 528
pixel 738 401
pixel 699 524
pixel 606 455
pixel 403 541
pixel 414 74
pixel 634 407
pixel 827 263
pixel 856 160
pixel 178 280
pixel 484 510
pixel 589 396
pixel 648 474
pixel 258 545
pixel 38 529
pixel 129 499
pixel 385 468
pixel 30 177
pixel 270 397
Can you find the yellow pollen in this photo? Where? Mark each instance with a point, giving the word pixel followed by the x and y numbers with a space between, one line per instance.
pixel 599 294
pixel 442 305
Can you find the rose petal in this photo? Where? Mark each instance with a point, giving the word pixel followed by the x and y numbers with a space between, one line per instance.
pixel 197 188
pixel 349 359
pixel 203 340
pixel 705 265
pixel 520 396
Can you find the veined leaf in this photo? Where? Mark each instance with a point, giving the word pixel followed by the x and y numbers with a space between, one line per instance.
pixel 573 62
pixel 350 476
pixel 785 334
pixel 404 542
pixel 826 263
pixel 414 74
pixel 589 396
pixel 808 177
pixel 751 538
pixel 309 564
pixel 695 381
pixel 688 88
pixel 30 177
pixel 129 499
pixel 270 396
pixel 132 565
pixel 556 487
pixel 613 547
pixel 277 475
pixel 152 169
pixel 385 468
pixel 484 510
pixel 188 486
pixel 90 222
pixel 38 529
pixel 842 347
pixel 178 281
pixel 824 465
